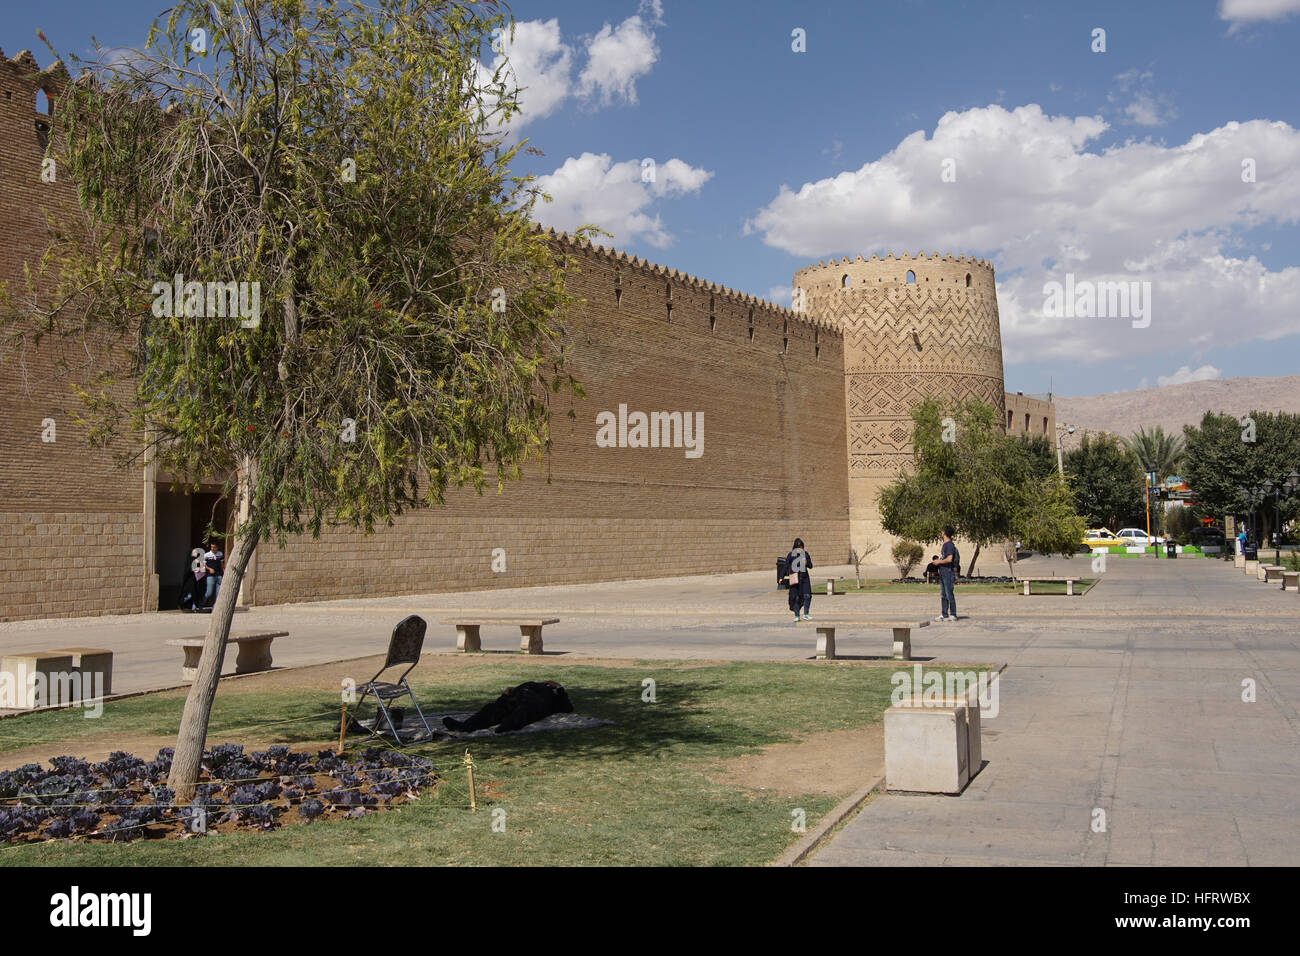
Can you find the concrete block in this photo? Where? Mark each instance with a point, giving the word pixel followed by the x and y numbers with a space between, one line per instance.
pixel 1251 568
pixel 927 748
pixel 1239 560
pixel 55 678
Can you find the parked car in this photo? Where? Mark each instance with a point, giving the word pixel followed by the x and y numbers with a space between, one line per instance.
pixel 1137 538
pixel 1101 538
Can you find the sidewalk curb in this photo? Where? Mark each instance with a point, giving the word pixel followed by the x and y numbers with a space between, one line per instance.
pixel 814 837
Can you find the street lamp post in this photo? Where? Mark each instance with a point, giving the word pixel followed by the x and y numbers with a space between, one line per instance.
pixel 1069 430
pixel 1254 497
pixel 1284 486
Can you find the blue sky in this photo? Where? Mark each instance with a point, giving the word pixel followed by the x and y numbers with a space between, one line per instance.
pixel 1122 165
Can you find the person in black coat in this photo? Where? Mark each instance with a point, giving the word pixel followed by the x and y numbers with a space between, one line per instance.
pixel 798 563
pixel 191 598
pixel 517 707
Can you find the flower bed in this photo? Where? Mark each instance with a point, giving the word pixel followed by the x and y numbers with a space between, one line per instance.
pixel 126 798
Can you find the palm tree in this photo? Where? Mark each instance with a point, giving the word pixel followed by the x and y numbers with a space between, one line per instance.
pixel 1157 451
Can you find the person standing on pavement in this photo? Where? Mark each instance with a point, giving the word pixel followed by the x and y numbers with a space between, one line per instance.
pixel 214 562
pixel 798 563
pixel 948 565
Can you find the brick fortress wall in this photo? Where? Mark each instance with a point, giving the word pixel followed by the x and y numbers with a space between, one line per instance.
pixel 75 539
pixel 71 523
pixel 652 339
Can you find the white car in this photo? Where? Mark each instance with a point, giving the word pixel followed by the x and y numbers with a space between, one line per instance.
pixel 1137 538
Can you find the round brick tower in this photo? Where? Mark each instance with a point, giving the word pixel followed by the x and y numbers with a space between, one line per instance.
pixel 914 327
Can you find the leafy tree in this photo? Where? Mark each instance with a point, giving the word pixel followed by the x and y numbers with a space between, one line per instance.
pixel 1108 483
pixel 1042 455
pixel 1156 451
pixel 347 159
pixel 1226 454
pixel 982 482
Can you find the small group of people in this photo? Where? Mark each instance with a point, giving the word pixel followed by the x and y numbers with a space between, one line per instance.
pixel 946 564
pixel 202 580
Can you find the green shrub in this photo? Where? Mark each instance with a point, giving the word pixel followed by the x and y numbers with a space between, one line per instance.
pixel 907 555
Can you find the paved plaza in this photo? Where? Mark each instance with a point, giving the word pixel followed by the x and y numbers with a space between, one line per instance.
pixel 1127 700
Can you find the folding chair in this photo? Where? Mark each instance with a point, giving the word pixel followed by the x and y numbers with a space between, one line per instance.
pixel 403 648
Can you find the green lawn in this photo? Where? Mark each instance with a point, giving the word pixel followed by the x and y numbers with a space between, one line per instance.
pixel 634 793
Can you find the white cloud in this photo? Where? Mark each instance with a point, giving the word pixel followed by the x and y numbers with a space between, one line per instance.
pixel 1185 374
pixel 618 56
pixel 591 188
pixel 1030 195
pixel 1241 12
pixel 1145 106
pixel 539 61
pixel 781 294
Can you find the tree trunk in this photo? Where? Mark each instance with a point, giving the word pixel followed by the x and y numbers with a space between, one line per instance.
pixel 193 732
pixel 971 567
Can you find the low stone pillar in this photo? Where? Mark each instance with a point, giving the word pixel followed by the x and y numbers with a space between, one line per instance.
pixel 1251 567
pixel 1239 560
pixel 932 746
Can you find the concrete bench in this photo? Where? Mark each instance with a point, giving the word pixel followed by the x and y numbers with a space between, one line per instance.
pixel 933 746
pixel 530 631
pixel 1069 582
pixel 254 652
pixel 1271 573
pixel 1291 580
pixel 54 678
pixel 902 635
pixel 830 586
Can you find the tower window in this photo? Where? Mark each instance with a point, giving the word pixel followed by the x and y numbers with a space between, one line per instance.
pixel 845 282
pixel 911 276
pixel 968 280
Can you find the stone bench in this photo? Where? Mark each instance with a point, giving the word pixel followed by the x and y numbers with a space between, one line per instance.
pixel 1069 582
pixel 530 631
pixel 1271 573
pixel 902 635
pixel 254 652
pixel 933 746
pixel 54 678
pixel 1291 580
pixel 830 586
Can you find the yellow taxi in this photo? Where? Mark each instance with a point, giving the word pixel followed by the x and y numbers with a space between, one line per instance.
pixel 1102 538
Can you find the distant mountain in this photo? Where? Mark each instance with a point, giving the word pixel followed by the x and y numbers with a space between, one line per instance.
pixel 1122 413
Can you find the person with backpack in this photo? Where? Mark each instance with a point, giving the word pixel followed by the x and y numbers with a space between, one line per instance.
pixel 798 563
pixel 949 566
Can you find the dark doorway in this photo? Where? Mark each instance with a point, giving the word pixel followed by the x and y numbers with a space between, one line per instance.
pixel 183 522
